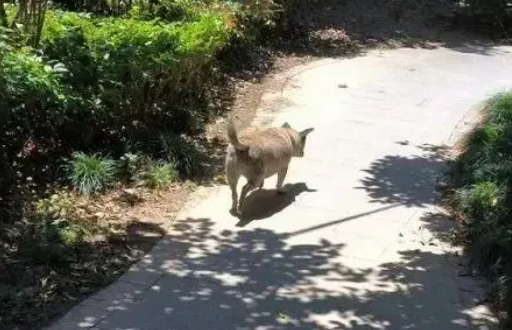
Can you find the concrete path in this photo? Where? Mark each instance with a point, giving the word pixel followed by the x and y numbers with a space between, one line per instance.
pixel 355 243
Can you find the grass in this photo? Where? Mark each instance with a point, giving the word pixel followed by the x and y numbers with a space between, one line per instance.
pixel 161 175
pixel 483 191
pixel 91 173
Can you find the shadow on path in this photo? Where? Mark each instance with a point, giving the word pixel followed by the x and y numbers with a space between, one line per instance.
pixel 264 203
pixel 410 181
pixel 255 280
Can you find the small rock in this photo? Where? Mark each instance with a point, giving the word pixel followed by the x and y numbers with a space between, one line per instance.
pixel 99 215
pixel 465 273
pixel 131 196
pixel 342 86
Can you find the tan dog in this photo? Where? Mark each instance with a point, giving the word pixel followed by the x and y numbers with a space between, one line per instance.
pixel 259 154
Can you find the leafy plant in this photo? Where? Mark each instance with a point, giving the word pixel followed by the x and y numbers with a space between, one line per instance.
pixel 57 206
pixel 131 166
pixel 182 152
pixel 484 195
pixel 91 173
pixel 161 175
pixel 495 10
pixel 501 106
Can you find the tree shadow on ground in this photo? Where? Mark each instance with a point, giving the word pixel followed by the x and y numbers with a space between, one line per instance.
pixel 258 280
pixel 340 27
pixel 410 181
pixel 264 203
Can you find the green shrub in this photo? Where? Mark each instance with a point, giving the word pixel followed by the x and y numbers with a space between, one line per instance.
pixel 55 228
pixel 134 70
pixel 496 10
pixel 91 173
pixel 100 83
pixel 57 206
pixel 501 109
pixel 170 10
pixel 161 175
pixel 33 104
pixel 481 198
pixel 59 221
pixel 180 151
pixel 484 195
pixel 105 7
pixel 131 166
pixel 167 10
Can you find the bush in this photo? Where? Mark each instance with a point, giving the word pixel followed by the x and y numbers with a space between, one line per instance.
pixel 494 9
pixel 91 174
pixel 168 10
pixel 157 74
pixel 161 175
pixel 180 151
pixel 33 104
pixel 484 195
pixel 101 84
pixel 131 165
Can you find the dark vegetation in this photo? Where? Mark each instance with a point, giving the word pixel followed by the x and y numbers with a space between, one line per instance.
pixel 482 197
pixel 103 96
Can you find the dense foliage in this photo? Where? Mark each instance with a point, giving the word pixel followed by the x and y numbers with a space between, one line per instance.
pixel 484 195
pixel 121 83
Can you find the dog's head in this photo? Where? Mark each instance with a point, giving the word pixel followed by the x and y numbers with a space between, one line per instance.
pixel 301 140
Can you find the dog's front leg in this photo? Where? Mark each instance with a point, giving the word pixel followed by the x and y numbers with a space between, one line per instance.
pixel 281 175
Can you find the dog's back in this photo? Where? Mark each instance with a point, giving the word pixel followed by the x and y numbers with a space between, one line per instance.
pixel 266 150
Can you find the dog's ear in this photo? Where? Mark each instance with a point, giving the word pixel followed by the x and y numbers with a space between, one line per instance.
pixel 286 125
pixel 305 132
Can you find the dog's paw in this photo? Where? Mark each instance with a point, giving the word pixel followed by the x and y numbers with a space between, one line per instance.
pixel 234 212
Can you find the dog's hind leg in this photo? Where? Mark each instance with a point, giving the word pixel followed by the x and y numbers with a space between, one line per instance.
pixel 232 177
pixel 250 185
pixel 281 175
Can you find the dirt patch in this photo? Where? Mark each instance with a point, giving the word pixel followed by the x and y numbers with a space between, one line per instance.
pixel 248 95
pixel 43 280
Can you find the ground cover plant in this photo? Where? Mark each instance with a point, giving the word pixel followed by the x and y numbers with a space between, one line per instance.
pixel 482 196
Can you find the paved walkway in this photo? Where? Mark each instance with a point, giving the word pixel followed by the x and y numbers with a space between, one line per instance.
pixel 354 244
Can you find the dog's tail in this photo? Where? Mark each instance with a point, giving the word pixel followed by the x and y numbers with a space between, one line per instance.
pixel 233 136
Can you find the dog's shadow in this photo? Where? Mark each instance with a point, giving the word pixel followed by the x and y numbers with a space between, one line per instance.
pixel 264 203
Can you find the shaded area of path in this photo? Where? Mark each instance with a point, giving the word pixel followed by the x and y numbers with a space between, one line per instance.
pixel 332 27
pixel 357 243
